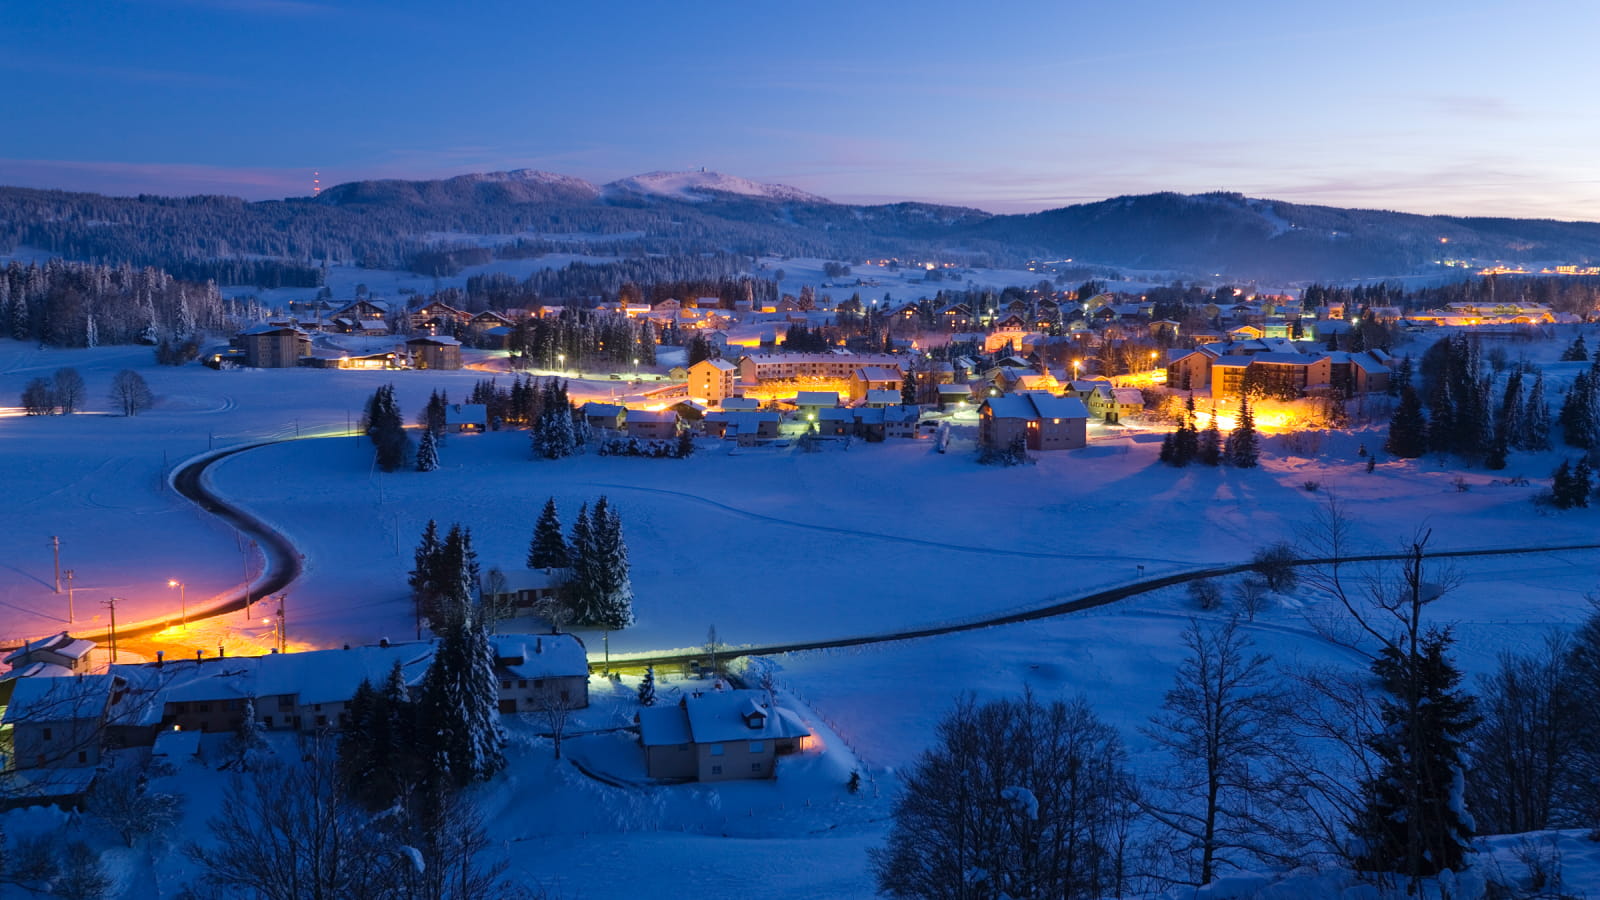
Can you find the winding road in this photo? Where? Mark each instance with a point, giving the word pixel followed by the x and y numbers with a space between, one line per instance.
pixel 283 566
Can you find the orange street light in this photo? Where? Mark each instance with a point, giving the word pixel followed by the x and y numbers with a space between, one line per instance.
pixel 183 599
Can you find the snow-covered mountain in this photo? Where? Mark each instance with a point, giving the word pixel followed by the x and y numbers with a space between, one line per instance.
pixel 700 185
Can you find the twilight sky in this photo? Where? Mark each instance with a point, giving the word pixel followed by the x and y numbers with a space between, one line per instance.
pixel 1467 107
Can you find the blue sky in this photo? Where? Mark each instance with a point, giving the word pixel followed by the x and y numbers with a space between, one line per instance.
pixel 1466 107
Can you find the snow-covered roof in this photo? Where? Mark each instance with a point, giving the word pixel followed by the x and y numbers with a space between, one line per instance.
pixel 1230 362
pixel 439 340
pixel 658 416
pixel 720 365
pixel 58 699
pixel 1297 359
pixel 964 389
pixel 595 410
pixel 879 373
pixel 269 328
pixel 816 398
pixel 741 403
pixel 717 716
pixel 176 745
pixel 542 655
pixel 663 726
pixel 1128 395
pixel 60 643
pixel 1037 405
pixel 883 395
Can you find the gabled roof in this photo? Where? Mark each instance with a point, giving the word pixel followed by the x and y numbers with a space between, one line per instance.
pixel 883 396
pixel 542 655
pixel 1297 359
pixel 60 643
pixel 816 398
pixel 879 373
pixel 595 410
pixel 741 403
pixel 661 416
pixel 439 340
pixel 720 365
pixel 718 716
pixel 59 699
pixel 265 329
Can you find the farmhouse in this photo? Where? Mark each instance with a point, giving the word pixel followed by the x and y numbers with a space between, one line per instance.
pixel 719 736
pixel 61 649
pixel 652 424
pixel 541 671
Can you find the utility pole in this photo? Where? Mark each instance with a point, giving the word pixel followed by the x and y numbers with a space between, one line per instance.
pixel 112 634
pixel 68 573
pixel 55 542
pixel 283 638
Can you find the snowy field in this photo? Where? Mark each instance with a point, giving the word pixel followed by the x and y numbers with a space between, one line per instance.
pixel 767 546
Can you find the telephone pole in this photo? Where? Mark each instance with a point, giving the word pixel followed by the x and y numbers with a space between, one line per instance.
pixel 55 542
pixel 112 634
pixel 283 638
pixel 68 573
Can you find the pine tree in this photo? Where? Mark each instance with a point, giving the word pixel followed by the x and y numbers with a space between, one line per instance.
pixel 427 453
pixel 387 429
pixel 1442 421
pixel 908 390
pixel 553 435
pixel 1415 822
pixel 1580 414
pixel 1511 423
pixel 1169 449
pixel 1577 351
pixel 424 590
pixel 548 549
pixel 647 687
pixel 1243 450
pixel 1408 429
pixel 1582 482
pixel 434 414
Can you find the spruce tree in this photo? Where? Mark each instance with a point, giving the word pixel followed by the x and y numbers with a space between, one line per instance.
pixel 427 453
pixel 581 557
pixel 1511 424
pixel 1577 351
pixel 1582 482
pixel 548 549
pixel 647 687
pixel 1408 429
pixel 458 713
pixel 908 390
pixel 1580 414
pixel 387 429
pixel 1415 821
pixel 424 589
pixel 1169 449
pixel 613 586
pixel 1243 450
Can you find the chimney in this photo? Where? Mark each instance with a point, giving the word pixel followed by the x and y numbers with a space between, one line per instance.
pixel 199 655
pixel 538 645
pixel 347 646
pixel 383 642
pixel 273 651
pixel 221 651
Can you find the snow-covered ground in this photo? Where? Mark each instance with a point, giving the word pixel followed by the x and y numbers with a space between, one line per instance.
pixel 767 546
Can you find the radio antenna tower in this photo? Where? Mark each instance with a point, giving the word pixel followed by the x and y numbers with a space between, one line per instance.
pixel 316 183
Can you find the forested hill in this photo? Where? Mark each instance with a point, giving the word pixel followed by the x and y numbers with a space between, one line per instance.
pixel 434 226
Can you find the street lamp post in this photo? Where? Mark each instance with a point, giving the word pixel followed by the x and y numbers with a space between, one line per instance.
pixel 561 359
pixel 111 604
pixel 183 599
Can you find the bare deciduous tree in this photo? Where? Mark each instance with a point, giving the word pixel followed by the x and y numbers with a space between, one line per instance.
pixel 1524 749
pixel 130 393
pixel 69 390
pixel 1220 723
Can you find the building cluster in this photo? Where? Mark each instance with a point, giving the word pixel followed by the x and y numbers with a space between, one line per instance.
pixel 1277 367
pixel 57 717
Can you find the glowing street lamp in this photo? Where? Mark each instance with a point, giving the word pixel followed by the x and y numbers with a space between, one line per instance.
pixel 561 358
pixel 183 598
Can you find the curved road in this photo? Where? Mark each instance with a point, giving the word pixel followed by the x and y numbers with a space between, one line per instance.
pixel 282 560
pixel 283 566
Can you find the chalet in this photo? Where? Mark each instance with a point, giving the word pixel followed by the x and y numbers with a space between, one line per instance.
pixel 744 428
pixel 1111 405
pixel 954 393
pixel 678 373
pixel 880 399
pixel 876 378
pixel 1090 391
pixel 604 417
pixel 462 418
pixel 1043 421
pixel 487 320
pixel 651 424
pixel 747 404
pixel 809 402
pixel 366 310
pixel 518 588
pixel 435 352
pixel 541 671
pixel 712 380
pixel 719 736
pixel 439 318
pixel 62 649
pixel 832 422
pixel 274 346
pixel 956 316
